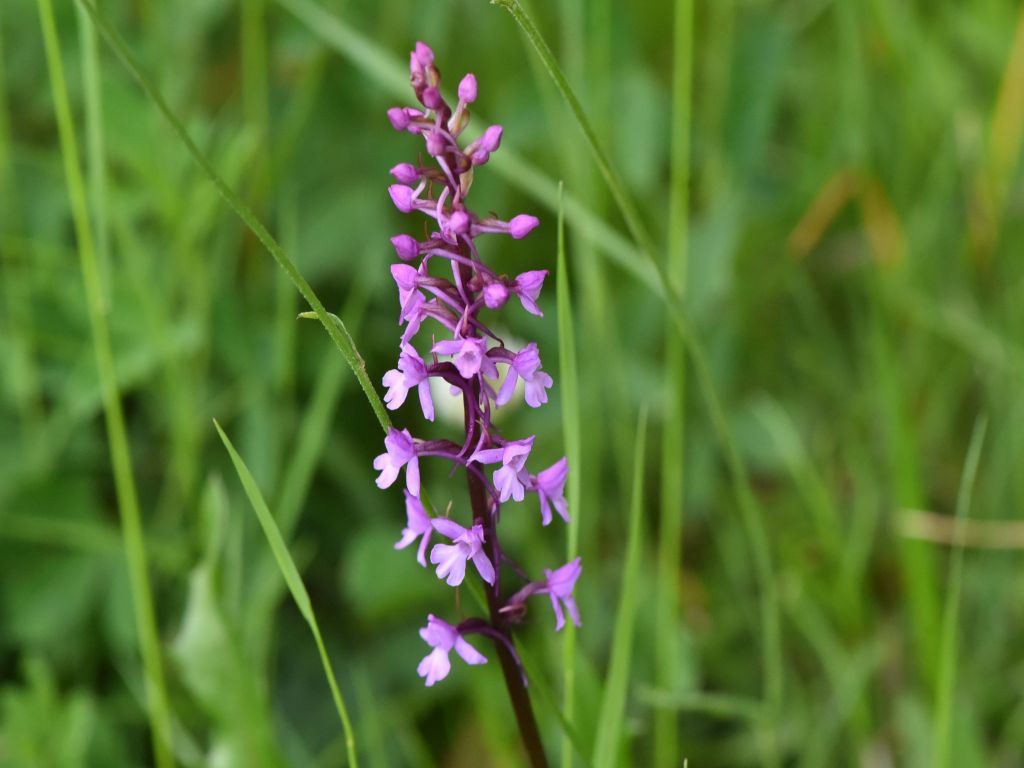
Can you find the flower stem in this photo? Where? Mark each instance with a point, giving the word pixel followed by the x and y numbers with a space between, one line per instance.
pixel 514 680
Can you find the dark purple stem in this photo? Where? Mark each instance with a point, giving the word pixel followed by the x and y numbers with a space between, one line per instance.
pixel 514 680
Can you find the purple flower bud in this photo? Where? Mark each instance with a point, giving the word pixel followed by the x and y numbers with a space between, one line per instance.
pixel 405 173
pixel 522 225
pixel 403 197
pixel 399 118
pixel 443 637
pixel 423 55
pixel 495 295
pixel 491 139
pixel 436 145
pixel 480 157
pixel 431 98
pixel 467 89
pixel 406 247
pixel 458 223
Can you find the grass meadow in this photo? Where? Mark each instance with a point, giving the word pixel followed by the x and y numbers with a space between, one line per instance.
pixel 785 320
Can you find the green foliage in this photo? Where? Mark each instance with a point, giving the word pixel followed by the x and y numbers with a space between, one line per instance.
pixel 818 239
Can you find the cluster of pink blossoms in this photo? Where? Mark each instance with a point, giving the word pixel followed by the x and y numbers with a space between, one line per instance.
pixel 469 363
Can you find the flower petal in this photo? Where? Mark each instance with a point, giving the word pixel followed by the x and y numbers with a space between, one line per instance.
pixel 484 567
pixel 469 654
pixel 447 527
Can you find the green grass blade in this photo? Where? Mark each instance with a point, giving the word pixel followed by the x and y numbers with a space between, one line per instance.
pixel 544 694
pixel 120 452
pixel 335 329
pixel 95 148
pixel 573 451
pixel 16 317
pixel 613 703
pixel 534 674
pixel 362 51
pixel 670 528
pixel 951 614
pixel 294 582
pixel 723 706
pixel 316 422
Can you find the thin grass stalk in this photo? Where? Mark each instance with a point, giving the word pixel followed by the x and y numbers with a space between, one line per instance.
pixel 120 453
pixel 96 152
pixel 573 45
pixel 571 419
pixel 18 292
pixel 948 647
pixel 917 561
pixel 670 551
pixel 616 688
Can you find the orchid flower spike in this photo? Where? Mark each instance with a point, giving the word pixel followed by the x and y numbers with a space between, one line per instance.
pixel 441 274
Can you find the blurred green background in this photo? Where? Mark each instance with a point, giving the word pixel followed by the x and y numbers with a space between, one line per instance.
pixel 854 278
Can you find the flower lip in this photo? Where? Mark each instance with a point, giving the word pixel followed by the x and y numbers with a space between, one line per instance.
pixel 550 487
pixel 470 356
pixel 451 559
pixel 528 286
pixel 442 637
pixel 512 478
pixel 400 451
pixel 559 585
